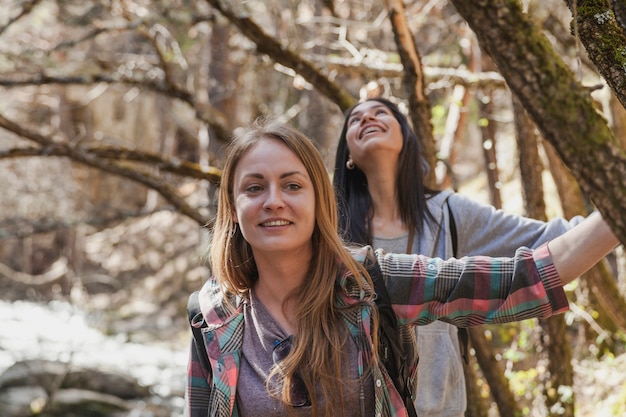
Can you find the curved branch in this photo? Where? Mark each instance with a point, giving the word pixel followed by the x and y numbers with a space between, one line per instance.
pixel 20 227
pixel 56 271
pixel 267 45
pixel 206 113
pixel 26 9
pixel 117 153
pixel 78 154
pixel 432 75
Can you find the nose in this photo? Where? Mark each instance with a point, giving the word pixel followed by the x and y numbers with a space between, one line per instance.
pixel 274 198
pixel 367 116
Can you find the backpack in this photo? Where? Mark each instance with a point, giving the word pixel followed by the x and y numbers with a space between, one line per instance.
pixel 396 352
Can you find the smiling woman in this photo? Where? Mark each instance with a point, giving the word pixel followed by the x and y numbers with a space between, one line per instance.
pixel 289 324
pixel 276 204
pixel 384 202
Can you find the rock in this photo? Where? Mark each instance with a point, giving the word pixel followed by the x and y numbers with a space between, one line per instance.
pixel 22 401
pixel 52 375
pixel 55 389
pixel 80 403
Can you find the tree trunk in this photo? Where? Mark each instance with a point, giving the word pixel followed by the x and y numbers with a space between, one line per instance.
pixel 413 81
pixel 559 380
pixel 545 86
pixel 499 385
pixel 476 406
pixel 488 131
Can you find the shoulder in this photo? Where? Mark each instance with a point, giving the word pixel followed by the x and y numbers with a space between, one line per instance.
pixel 216 307
pixel 457 202
pixel 439 199
pixel 356 288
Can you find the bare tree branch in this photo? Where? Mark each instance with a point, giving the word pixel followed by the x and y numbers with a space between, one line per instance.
pixel 207 113
pixel 20 227
pixel 118 153
pixel 93 34
pixel 267 45
pixel 78 154
pixel 26 9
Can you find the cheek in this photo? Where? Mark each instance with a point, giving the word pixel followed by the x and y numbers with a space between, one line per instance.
pixel 240 209
pixel 351 137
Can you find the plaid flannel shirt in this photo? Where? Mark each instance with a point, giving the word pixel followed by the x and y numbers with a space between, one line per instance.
pixel 465 292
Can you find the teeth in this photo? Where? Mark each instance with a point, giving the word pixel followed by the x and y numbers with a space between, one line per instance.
pixel 276 223
pixel 369 130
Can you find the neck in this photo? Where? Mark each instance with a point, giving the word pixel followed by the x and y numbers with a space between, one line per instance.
pixel 386 221
pixel 279 277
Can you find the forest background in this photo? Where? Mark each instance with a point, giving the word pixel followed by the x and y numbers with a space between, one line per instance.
pixel 113 119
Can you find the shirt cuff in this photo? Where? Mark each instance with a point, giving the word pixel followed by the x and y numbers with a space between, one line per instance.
pixel 550 279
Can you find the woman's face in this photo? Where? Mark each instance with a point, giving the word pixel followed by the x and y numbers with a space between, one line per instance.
pixel 274 200
pixel 373 133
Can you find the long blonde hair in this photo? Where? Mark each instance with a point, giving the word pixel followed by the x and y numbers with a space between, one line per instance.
pixel 317 351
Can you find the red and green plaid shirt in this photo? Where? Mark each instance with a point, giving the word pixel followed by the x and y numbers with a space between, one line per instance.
pixel 465 292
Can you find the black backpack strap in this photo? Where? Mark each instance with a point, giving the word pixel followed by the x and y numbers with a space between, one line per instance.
pixel 391 351
pixel 453 234
pixel 195 316
pixel 462 332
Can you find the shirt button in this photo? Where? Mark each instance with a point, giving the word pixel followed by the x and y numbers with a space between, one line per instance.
pixel 378 383
pixel 432 267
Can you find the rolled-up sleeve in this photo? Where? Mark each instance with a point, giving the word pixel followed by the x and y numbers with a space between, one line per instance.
pixel 473 290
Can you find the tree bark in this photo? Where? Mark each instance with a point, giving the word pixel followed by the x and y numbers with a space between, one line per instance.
pixel 600 280
pixel 604 40
pixel 546 86
pixel 488 132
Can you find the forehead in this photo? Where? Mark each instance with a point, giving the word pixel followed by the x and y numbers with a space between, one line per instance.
pixel 269 155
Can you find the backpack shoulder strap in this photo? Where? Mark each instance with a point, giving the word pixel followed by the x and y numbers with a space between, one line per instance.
pixel 462 332
pixel 453 234
pixel 392 351
pixel 194 315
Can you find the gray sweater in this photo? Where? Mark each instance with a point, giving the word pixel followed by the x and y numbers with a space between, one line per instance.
pixel 481 230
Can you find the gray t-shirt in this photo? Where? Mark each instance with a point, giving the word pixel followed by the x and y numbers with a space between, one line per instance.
pixel 261 333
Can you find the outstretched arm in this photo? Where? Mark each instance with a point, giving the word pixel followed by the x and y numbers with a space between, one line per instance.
pixel 580 248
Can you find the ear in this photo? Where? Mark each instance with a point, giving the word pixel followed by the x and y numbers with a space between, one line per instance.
pixel 233 215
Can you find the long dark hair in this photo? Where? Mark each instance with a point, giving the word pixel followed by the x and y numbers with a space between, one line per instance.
pixel 354 200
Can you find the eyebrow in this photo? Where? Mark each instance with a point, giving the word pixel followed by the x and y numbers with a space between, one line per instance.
pixel 283 175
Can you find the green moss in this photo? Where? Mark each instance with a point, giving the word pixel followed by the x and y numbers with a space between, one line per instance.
pixel 596 9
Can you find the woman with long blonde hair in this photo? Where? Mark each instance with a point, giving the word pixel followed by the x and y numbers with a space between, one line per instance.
pixel 288 318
